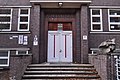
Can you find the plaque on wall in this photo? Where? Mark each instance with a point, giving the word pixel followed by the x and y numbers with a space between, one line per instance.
pixel 84 37
pixel 25 42
pixel 35 42
pixel 20 39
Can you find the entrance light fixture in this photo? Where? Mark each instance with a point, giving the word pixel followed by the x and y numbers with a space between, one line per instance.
pixel 60 4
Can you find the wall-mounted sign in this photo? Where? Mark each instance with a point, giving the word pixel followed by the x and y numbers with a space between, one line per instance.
pixel 35 42
pixel 25 40
pixel 13 37
pixel 20 39
pixel 84 37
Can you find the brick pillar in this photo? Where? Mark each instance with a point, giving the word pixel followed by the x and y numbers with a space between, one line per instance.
pixel 84 33
pixel 77 56
pixel 100 63
pixel 35 20
pixel 104 64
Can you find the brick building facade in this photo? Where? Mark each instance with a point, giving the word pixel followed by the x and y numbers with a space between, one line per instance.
pixel 31 29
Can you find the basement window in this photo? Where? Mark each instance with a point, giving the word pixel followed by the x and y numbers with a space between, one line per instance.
pixel 4 58
pixel 22 52
pixel 114 19
pixel 5 19
pixel 96 20
pixel 23 20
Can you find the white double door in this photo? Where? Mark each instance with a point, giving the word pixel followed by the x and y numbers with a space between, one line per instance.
pixel 59 46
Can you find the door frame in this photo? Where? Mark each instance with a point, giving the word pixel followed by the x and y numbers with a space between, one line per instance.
pixel 61 20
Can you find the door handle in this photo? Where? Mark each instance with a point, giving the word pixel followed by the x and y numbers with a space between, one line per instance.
pixel 60 51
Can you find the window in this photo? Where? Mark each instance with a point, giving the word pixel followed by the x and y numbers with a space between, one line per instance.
pixel 4 58
pixel 21 52
pixel 96 20
pixel 23 20
pixel 5 19
pixel 54 26
pixel 114 19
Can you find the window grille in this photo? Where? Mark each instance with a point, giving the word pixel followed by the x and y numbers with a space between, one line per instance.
pixel 23 20
pixel 5 19
pixel 96 20
pixel 4 58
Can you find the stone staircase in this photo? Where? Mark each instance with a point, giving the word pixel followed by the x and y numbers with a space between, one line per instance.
pixel 60 72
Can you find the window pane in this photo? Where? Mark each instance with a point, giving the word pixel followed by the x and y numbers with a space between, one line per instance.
pixel 96 27
pixel 4 26
pixel 52 27
pixel 114 12
pixel 5 11
pixel 95 12
pixel 115 27
pixel 23 19
pixel 3 61
pixel 96 19
pixel 23 26
pixel 21 52
pixel 24 11
pixel 115 19
pixel 67 26
pixel 4 19
pixel 3 54
pixel 119 77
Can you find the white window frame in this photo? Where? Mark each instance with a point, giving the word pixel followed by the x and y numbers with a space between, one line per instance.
pixel 17 52
pixel 7 57
pixel 109 16
pixel 7 15
pixel 23 15
pixel 100 23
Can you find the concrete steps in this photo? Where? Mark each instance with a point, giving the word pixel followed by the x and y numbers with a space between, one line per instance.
pixel 60 72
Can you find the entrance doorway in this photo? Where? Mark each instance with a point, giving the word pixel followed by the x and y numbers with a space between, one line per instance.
pixel 59 42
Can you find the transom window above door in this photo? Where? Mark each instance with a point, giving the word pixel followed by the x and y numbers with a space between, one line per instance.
pixel 54 26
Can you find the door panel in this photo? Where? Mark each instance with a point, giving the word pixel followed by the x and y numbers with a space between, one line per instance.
pixel 66 46
pixel 53 46
pixel 60 46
